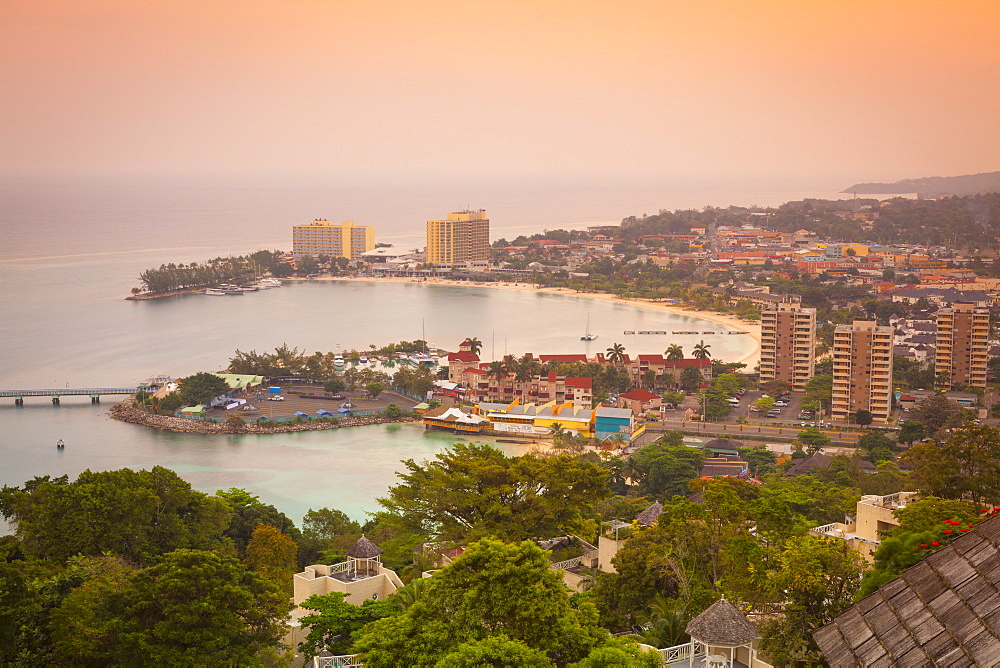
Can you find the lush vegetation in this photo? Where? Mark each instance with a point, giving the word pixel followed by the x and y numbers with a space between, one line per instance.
pixel 233 269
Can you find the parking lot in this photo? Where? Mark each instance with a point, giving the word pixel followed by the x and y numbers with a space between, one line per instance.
pixel 293 401
pixel 782 415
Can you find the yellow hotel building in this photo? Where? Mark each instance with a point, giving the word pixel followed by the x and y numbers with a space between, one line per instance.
pixel 321 237
pixel 464 236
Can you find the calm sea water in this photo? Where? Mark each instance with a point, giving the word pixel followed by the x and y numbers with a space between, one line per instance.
pixel 70 252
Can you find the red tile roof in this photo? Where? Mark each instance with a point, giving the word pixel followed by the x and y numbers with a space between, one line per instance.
pixel 463 356
pixel 562 359
pixel 639 394
pixel 582 383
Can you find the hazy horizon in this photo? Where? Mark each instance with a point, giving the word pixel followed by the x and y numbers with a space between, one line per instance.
pixel 438 89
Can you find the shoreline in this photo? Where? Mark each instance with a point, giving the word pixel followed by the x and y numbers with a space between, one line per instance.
pixel 752 329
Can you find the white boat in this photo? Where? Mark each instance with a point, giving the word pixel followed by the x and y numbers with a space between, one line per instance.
pixel 216 292
pixel 229 289
pixel 589 336
pixel 249 287
pixel 364 360
pixel 269 283
pixel 338 361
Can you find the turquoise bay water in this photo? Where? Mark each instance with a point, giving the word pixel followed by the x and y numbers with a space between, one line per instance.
pixel 68 257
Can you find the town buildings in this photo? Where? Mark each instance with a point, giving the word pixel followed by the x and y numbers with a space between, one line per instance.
pixel 862 370
pixel 462 237
pixel 788 344
pixel 962 345
pixel 321 237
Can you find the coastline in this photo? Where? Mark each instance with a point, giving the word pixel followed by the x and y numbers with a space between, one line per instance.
pixel 752 329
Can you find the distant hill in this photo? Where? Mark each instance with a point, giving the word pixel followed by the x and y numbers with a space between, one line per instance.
pixel 933 186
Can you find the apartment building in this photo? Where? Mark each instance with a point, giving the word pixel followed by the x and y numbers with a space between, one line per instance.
pixel 788 344
pixel 464 236
pixel 862 370
pixel 321 237
pixel 962 345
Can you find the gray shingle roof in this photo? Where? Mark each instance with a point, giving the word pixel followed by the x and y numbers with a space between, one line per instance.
pixel 943 611
pixel 722 624
pixel 649 515
pixel 364 549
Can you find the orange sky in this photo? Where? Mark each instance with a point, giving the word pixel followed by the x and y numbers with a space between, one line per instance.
pixel 862 90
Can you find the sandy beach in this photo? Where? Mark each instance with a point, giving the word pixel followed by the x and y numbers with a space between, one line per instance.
pixel 752 329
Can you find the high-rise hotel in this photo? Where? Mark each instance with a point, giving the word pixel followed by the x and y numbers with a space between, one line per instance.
pixel 321 237
pixel 788 344
pixel 464 236
pixel 862 370
pixel 962 346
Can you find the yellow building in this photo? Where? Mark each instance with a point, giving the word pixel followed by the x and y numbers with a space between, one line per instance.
pixel 464 236
pixel 321 237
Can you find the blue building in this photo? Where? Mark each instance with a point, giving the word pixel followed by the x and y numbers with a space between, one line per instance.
pixel 613 421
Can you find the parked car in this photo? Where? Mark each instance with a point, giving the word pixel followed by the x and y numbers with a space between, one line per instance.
pixel 276 398
pixel 338 396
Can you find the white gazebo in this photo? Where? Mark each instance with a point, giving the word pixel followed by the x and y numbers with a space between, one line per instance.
pixel 724 635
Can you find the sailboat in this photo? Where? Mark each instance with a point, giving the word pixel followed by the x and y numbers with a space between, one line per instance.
pixel 588 336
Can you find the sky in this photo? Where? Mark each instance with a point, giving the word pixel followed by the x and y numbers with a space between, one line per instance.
pixel 864 90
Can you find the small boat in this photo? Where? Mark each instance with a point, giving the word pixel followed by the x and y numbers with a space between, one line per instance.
pixel 230 289
pixel 589 336
pixel 269 283
pixel 338 361
pixel 216 292
pixel 364 360
pixel 249 287
pixel 629 331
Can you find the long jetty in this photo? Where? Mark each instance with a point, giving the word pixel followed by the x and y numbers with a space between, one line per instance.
pixel 95 393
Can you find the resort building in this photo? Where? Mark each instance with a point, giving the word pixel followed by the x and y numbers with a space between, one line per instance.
pixel 321 237
pixel 464 236
pixel 862 370
pixel 788 344
pixel 873 517
pixel 454 419
pixel 538 420
pixel 361 577
pixel 962 345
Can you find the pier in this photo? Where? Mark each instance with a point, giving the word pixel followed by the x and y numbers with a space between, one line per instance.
pixel 95 393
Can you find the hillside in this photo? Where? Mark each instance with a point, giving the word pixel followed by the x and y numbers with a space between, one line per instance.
pixel 933 186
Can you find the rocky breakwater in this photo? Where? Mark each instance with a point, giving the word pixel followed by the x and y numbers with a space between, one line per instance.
pixel 127 412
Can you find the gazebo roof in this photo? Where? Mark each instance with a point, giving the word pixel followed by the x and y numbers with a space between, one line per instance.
pixel 722 624
pixel 364 549
pixel 649 515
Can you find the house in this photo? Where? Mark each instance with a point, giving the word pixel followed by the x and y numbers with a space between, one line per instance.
pixel 875 515
pixel 613 422
pixel 640 401
pixel 720 637
pixel 454 419
pixel 575 557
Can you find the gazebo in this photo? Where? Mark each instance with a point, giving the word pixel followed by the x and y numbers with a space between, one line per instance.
pixel 649 516
pixel 362 554
pixel 722 631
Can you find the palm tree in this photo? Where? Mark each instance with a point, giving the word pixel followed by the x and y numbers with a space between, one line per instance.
pixel 474 343
pixel 497 370
pixel 674 353
pixel 701 351
pixel 664 624
pixel 616 353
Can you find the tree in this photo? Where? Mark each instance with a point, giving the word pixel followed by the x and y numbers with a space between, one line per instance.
pixel 334 623
pixel 813 439
pixel 674 353
pixel 701 351
pixel 816 579
pixel 691 378
pixel 137 515
pixel 938 413
pixel 201 388
pixel 248 512
pixel 967 465
pixel 863 417
pixel 616 353
pixel 192 608
pixel 760 460
pixel 910 431
pixel 775 388
pixel 375 389
pixel 334 386
pixel 819 389
pixel 392 411
pixel 498 651
pixel 764 404
pixel 497 370
pixel 475 344
pixel 307 265
pixel 272 554
pixel 666 468
pixel 494 589
pixel 326 532
pixel 878 446
pixel 476 490
pixel 674 398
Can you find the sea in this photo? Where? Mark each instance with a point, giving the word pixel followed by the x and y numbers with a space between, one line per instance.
pixel 72 248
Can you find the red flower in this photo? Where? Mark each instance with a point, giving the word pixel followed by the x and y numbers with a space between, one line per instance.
pixel 964 529
pixel 935 543
pixel 917 548
pixel 923 545
pixel 947 531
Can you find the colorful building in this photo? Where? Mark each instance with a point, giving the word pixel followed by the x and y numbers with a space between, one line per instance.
pixel 464 236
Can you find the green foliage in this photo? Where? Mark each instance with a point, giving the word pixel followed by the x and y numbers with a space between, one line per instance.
pixel 201 388
pixel 493 589
pixel 499 651
pixel 475 490
pixel 666 469
pixel 813 439
pixel 878 446
pixel 967 465
pixel 819 389
pixel 910 431
pixel 334 385
pixel 192 608
pixel 137 515
pixel 691 378
pixel 248 512
pixel 863 418
pixel 334 623
pixel 272 554
pixel 939 414
pixel 375 389
pixel 418 380
pixel 327 532
pixel 759 459
pixel 816 579
pixel 392 411
pixel 233 269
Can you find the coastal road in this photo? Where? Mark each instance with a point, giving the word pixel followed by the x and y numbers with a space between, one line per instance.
pixel 724 430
